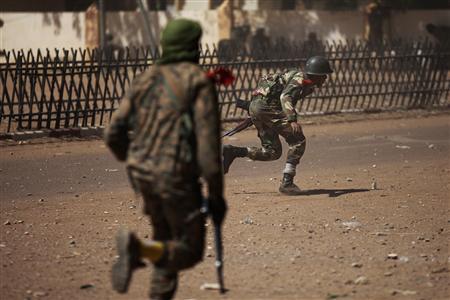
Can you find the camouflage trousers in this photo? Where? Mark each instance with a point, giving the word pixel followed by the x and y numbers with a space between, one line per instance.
pixel 169 209
pixel 271 122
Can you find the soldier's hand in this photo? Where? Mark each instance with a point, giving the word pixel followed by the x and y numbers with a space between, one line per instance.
pixel 296 128
pixel 218 208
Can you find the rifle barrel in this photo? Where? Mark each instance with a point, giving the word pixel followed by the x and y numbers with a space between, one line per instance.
pixel 219 258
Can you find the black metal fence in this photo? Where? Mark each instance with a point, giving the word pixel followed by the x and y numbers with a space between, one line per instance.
pixel 82 88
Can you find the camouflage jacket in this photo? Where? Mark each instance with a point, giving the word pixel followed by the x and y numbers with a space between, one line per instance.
pixel 281 91
pixel 172 111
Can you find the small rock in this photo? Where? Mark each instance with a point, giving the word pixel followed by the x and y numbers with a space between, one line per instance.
pixel 388 274
pixel 87 286
pixel 403 292
pixel 26 233
pixel 72 242
pixel 431 146
pixel 439 270
pixel 361 280
pixel 7 222
pixel 374 185
pixel 380 234
pixel 29 194
pixel 247 221
pixel 351 224
pixel 403 259
pixel 349 179
pixel 392 256
pixel 356 265
pixel 41 200
pixel 335 296
pixel 40 294
pixel 210 286
pixel 402 147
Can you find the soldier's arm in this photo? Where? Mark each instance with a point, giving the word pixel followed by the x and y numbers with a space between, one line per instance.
pixel 116 134
pixel 291 91
pixel 207 129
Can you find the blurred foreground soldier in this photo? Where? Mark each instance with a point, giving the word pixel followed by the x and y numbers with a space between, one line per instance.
pixel 272 111
pixel 172 110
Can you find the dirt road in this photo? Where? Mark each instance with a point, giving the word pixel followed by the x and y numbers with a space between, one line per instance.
pixel 61 204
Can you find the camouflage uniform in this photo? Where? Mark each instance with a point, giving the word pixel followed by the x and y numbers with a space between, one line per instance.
pixel 173 112
pixel 272 109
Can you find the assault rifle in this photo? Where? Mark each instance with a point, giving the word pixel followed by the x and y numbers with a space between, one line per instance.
pixel 243 104
pixel 204 211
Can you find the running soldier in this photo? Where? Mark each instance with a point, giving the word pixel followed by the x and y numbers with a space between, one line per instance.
pixel 172 111
pixel 272 111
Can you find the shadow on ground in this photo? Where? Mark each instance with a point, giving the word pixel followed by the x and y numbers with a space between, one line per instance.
pixel 331 192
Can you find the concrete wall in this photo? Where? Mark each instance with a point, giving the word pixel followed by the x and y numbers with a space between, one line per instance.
pixel 58 30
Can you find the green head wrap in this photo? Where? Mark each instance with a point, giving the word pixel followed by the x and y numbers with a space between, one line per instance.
pixel 180 42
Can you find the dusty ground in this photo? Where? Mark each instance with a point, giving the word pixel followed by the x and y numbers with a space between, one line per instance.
pixel 61 204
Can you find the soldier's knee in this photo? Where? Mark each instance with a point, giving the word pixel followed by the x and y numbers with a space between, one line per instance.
pixel 273 153
pixel 296 139
pixel 195 256
pixel 298 147
pixel 277 153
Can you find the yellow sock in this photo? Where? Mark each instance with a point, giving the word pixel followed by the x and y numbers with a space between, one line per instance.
pixel 151 250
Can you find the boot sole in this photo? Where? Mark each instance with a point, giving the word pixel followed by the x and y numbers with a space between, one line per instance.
pixel 121 271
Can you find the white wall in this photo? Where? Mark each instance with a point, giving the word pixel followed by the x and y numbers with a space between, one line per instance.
pixel 33 30
pixel 128 27
pixel 39 30
pixel 295 25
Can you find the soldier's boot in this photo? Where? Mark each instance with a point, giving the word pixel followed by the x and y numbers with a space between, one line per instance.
pixel 128 261
pixel 131 251
pixel 288 187
pixel 163 284
pixel 230 153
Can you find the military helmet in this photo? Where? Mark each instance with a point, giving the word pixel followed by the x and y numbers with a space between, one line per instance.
pixel 318 65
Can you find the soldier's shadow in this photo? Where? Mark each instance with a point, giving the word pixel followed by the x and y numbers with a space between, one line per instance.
pixel 331 192
pixel 312 192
